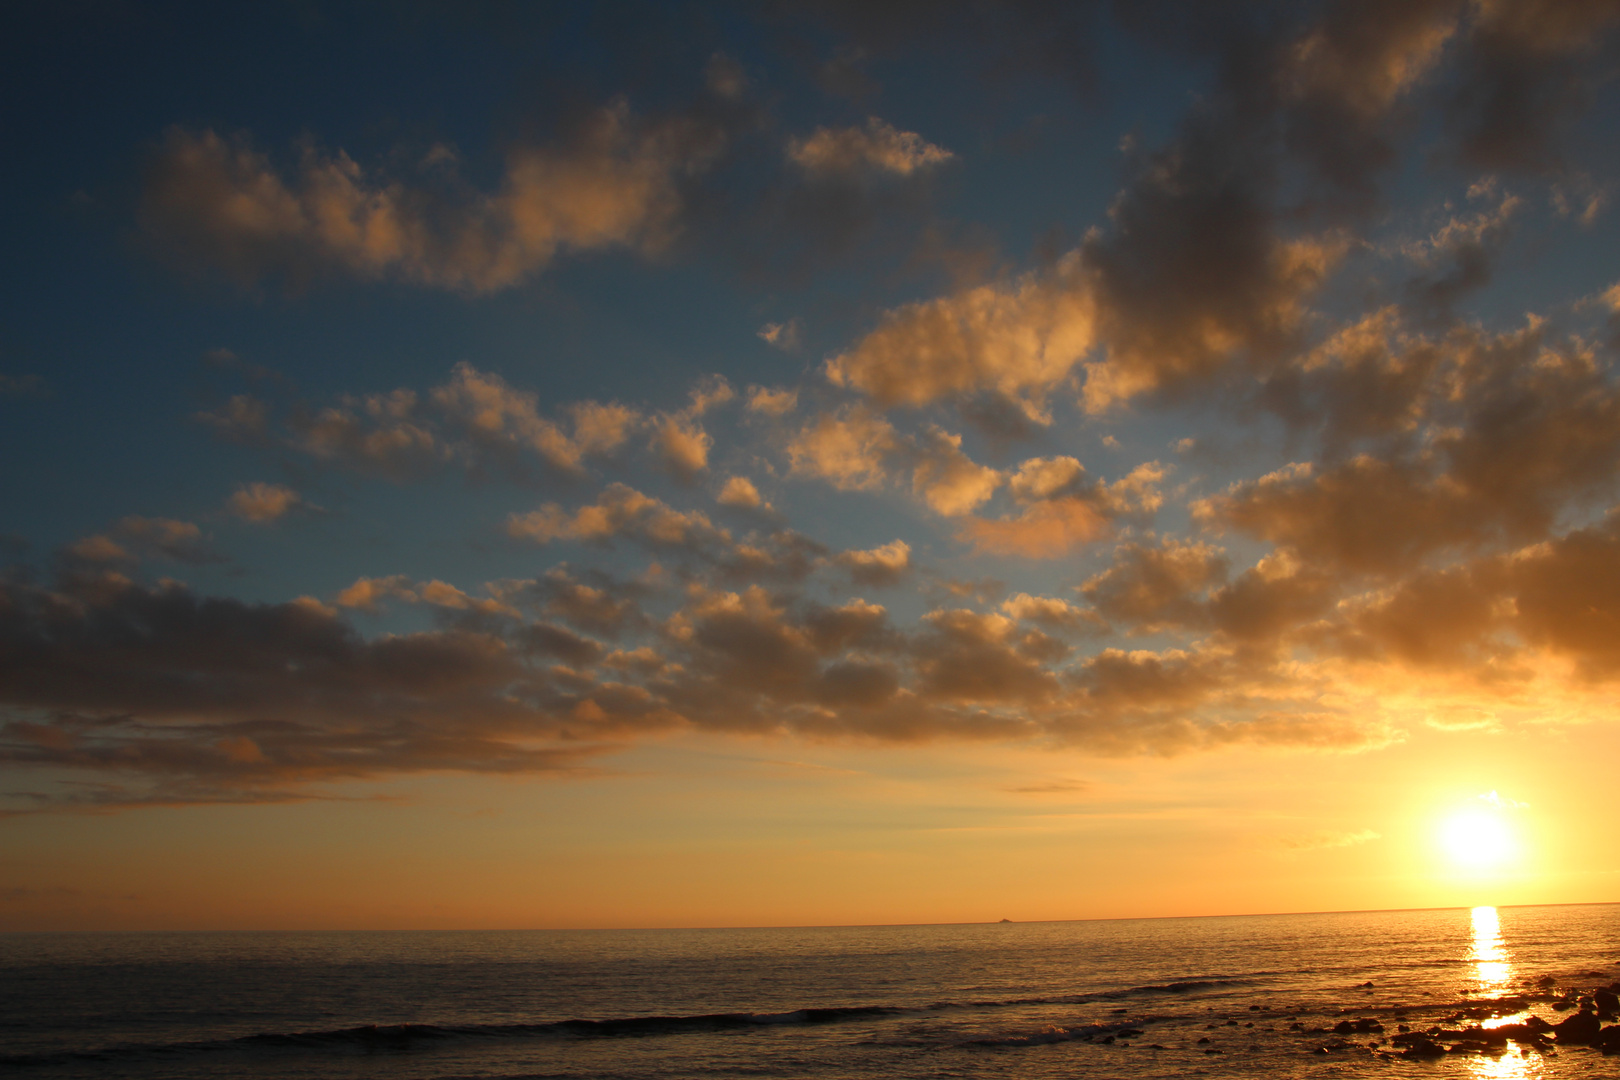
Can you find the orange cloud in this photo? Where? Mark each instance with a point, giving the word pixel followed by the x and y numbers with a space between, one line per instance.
pixel 217 200
pixel 878 146
pixel 259 502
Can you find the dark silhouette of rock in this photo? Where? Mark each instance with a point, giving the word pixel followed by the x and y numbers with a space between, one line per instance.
pixel 1607 1003
pixel 1578 1030
pixel 1421 1046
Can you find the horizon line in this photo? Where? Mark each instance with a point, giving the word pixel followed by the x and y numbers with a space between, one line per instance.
pixel 816 926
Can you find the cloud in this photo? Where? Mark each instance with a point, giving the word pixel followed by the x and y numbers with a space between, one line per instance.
pixel 620 511
pixel 601 429
pixel 1344 76
pixel 768 402
pixel 1017 341
pixel 740 492
pixel 1149 588
pixel 366 593
pixel 968 656
pixel 204 698
pixel 784 556
pixel 217 201
pixel 680 442
pixel 1458 258
pixel 1515 429
pixel 880 566
pixel 1062 508
pixel 605 609
pixel 847 448
pixel 1052 612
pixel 243 418
pixel 946 479
pixel 1524 73
pixel 475 417
pixel 380 433
pixel 682 445
pixel 786 336
pixel 878 147
pixel 1194 276
pixel 260 503
pixel 181 541
pixel 497 416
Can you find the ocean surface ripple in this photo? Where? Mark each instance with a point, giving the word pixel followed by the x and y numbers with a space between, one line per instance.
pixel 1452 993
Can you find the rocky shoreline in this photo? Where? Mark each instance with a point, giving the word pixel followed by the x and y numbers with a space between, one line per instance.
pixel 1589 1002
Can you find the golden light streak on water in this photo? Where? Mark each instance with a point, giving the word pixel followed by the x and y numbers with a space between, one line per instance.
pixel 1513 1064
pixel 1489 955
pixel 1493 969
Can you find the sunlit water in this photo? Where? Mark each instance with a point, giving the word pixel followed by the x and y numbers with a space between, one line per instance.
pixel 1008 1000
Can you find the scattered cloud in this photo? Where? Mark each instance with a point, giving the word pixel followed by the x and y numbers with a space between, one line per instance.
pixel 216 200
pixel 878 147
pixel 261 503
pixel 778 402
pixel 879 566
pixel 786 336
pixel 620 511
pixel 740 492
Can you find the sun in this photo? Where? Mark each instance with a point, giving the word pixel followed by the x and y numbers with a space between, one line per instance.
pixel 1477 838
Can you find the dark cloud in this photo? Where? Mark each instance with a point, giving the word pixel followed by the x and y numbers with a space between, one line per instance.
pixel 1529 66
pixel 176 690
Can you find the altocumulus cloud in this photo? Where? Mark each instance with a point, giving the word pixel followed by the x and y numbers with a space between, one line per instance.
pixel 1421 529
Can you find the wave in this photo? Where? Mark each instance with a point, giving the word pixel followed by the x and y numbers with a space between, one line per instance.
pixel 404 1037
pixel 373 1037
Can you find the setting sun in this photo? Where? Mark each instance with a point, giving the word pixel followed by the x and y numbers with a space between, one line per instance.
pixel 1477 838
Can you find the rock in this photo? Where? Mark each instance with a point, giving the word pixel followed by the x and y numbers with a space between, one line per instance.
pixel 1608 1040
pixel 1606 1002
pixel 1424 1047
pixel 1578 1030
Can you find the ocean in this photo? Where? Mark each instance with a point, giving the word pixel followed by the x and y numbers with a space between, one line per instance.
pixel 1321 995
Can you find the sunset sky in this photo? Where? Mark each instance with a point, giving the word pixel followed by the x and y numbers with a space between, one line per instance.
pixel 484 465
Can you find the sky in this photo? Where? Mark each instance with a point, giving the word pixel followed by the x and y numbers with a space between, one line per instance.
pixel 540 465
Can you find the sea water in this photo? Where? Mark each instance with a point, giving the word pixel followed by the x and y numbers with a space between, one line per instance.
pixel 1220 997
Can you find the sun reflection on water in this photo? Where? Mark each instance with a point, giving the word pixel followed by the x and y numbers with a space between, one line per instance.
pixel 1493 965
pixel 1493 969
pixel 1515 1063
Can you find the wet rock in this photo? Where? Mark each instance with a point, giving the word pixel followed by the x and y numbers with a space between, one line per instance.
pixel 1365 1025
pixel 1608 1040
pixel 1607 1003
pixel 1424 1047
pixel 1578 1030
pixel 1204 1041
